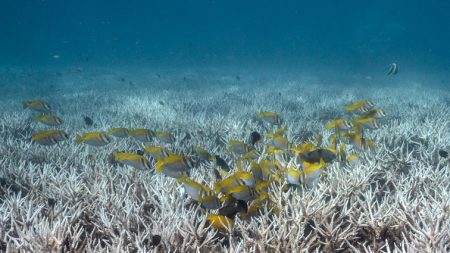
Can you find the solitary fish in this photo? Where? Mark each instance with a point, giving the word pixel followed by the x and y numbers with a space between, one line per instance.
pixel 37 105
pixel 393 69
pixel 88 121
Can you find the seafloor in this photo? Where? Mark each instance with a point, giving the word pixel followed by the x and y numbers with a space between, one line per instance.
pixel 71 198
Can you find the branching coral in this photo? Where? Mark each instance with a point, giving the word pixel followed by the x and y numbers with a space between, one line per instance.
pixel 71 198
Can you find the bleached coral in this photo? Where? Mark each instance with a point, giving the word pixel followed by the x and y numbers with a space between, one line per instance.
pixel 72 198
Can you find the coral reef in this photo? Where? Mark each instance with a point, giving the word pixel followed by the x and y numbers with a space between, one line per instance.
pixel 72 198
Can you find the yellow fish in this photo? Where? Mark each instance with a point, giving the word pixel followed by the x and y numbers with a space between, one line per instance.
pixel 173 165
pixel 203 155
pixel 200 193
pixel 265 170
pixel 220 222
pixel 375 113
pixel 238 178
pixel 270 117
pixel 37 105
pixel 49 120
pixel 256 204
pixel 154 152
pixel 366 123
pixel 191 187
pixel 278 142
pixel 312 172
pixel 209 201
pixel 165 137
pixel 304 148
pixel 237 147
pixel 340 124
pixel 94 139
pixel 360 106
pixel 353 159
pixel 292 176
pixel 133 160
pixel 141 134
pixel 263 186
pixel 242 192
pixel 49 137
pixel 119 132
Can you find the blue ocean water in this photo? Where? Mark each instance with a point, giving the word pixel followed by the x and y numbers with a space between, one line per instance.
pixel 347 36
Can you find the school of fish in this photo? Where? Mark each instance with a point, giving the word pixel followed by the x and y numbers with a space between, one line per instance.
pixel 261 162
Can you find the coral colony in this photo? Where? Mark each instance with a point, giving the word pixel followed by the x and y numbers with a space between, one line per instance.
pixel 287 167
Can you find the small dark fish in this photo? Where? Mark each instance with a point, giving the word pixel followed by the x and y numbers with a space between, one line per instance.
pixel 122 80
pixel 217 174
pixel 161 102
pixel 254 138
pixel 184 78
pixel 88 121
pixel 232 209
pixel 140 152
pixel 238 78
pixel 315 156
pixel 51 202
pixel 393 69
pixel 222 163
pixel 156 239
pixel 443 153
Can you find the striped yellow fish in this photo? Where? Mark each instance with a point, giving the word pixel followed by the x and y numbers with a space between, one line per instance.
pixel 366 123
pixel 203 155
pixel 270 117
pixel 141 134
pixel 49 137
pixel 237 147
pixel 154 152
pixel 238 178
pixel 340 124
pixel 94 139
pixel 312 172
pixel 49 120
pixel 360 106
pixel 37 105
pixel 278 142
pixel 375 113
pixel 134 160
pixel 118 132
pixel 243 192
pixel 220 222
pixel 200 193
pixel 164 137
pixel 173 165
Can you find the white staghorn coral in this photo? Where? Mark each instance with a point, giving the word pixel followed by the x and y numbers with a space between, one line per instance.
pixel 72 198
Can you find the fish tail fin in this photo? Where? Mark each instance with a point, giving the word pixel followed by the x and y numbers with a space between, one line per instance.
pixel 79 139
pixel 330 125
pixel 182 179
pixel 25 105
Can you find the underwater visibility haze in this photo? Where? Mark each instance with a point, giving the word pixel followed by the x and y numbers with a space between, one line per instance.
pixel 224 126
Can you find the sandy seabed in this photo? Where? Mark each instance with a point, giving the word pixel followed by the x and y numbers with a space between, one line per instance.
pixel 71 198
